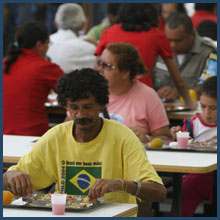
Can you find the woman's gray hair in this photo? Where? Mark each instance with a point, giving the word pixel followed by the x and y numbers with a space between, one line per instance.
pixel 70 16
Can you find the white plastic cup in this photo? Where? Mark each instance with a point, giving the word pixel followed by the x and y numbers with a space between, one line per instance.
pixel 58 203
pixel 182 139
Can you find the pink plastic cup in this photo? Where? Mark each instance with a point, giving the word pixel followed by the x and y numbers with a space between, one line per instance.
pixel 58 203
pixel 182 139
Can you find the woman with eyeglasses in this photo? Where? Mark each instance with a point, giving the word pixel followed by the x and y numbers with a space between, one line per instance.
pixel 27 79
pixel 138 25
pixel 131 102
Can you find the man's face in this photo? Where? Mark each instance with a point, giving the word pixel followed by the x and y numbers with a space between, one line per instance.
pixel 108 68
pixel 85 113
pixel 180 41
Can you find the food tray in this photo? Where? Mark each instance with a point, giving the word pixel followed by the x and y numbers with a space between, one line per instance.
pixel 190 148
pixel 46 204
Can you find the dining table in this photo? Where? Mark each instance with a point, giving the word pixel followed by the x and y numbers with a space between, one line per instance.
pixel 103 210
pixel 176 163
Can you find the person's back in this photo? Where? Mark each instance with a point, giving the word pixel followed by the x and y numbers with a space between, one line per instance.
pixel 26 84
pixel 67 49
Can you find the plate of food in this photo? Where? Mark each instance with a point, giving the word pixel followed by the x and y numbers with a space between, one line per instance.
pixel 43 201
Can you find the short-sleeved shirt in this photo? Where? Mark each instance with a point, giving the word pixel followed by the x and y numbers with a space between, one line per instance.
pixel 115 153
pixel 141 107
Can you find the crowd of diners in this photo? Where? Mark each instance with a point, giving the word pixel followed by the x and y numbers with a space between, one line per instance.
pixel 140 55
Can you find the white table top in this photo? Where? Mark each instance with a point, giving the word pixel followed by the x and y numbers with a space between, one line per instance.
pixel 104 210
pixel 165 161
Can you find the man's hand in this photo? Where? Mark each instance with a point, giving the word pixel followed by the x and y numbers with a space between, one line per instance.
pixel 167 92
pixel 102 186
pixel 18 182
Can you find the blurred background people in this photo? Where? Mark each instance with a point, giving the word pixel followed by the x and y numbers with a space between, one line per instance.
pixel 119 63
pixel 195 57
pixel 112 15
pixel 27 79
pixel 138 25
pixel 208 28
pixel 168 8
pixel 204 11
pixel 66 48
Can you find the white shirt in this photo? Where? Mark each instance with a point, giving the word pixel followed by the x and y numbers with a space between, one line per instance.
pixel 70 52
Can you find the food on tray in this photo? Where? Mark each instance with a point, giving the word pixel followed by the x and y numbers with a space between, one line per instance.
pixel 204 143
pixel 7 197
pixel 156 143
pixel 72 201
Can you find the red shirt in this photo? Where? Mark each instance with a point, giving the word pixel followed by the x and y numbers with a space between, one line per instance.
pixel 25 90
pixel 202 15
pixel 150 44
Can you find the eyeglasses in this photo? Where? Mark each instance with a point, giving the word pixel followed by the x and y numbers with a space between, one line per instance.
pixel 106 66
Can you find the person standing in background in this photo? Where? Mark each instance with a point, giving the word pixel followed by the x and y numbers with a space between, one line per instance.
pixel 27 79
pixel 138 26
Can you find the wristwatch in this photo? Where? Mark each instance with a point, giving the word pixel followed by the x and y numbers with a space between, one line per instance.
pixel 138 187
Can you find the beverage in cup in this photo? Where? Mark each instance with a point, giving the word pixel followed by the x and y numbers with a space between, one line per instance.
pixel 182 139
pixel 58 203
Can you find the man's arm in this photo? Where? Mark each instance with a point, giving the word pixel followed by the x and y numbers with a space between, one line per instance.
pixel 163 133
pixel 18 182
pixel 179 82
pixel 149 191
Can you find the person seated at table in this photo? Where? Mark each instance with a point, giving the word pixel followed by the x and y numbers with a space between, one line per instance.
pixel 66 48
pixel 27 79
pixel 138 25
pixel 89 154
pixel 203 128
pixel 131 102
pixel 195 57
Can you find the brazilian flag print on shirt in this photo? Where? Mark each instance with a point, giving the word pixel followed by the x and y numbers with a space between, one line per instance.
pixel 79 179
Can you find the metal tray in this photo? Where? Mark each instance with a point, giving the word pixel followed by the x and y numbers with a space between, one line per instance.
pixel 173 107
pixel 46 205
pixel 190 148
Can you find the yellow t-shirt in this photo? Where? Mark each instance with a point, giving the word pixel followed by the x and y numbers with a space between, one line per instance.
pixel 115 153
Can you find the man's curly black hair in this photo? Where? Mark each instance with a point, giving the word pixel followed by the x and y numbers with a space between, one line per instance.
pixel 79 84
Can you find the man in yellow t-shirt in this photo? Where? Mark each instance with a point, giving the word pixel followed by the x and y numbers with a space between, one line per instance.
pixel 89 155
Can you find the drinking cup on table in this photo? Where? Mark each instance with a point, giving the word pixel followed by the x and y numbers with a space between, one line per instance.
pixel 182 139
pixel 58 203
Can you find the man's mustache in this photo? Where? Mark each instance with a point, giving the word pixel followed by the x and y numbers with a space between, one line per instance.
pixel 83 121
